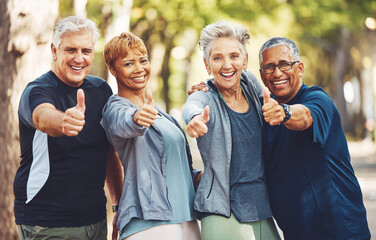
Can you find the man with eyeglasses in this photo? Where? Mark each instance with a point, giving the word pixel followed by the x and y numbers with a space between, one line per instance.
pixel 313 191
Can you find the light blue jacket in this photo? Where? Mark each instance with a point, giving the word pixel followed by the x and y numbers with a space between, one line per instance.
pixel 142 153
pixel 213 192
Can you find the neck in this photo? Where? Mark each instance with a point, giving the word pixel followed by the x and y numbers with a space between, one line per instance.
pixel 234 98
pixel 136 97
pixel 286 100
pixel 230 94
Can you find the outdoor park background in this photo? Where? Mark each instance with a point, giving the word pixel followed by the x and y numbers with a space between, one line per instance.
pixel 337 39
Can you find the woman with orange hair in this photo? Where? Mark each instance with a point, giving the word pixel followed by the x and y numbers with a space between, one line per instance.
pixel 158 189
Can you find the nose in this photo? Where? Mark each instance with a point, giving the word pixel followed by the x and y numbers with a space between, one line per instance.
pixel 277 72
pixel 226 63
pixel 78 57
pixel 138 67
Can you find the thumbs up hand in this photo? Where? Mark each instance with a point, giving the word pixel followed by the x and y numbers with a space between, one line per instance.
pixel 81 101
pixel 274 113
pixel 266 95
pixel 197 126
pixel 74 117
pixel 146 115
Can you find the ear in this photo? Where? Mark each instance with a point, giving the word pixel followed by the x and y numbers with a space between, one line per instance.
pixel 245 64
pixel 53 51
pixel 301 69
pixel 112 71
pixel 207 67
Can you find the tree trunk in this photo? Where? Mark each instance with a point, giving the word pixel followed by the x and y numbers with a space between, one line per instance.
pixel 165 72
pixel 340 66
pixel 121 16
pixel 26 30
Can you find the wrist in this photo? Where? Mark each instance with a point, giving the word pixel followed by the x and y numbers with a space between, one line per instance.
pixel 115 208
pixel 287 110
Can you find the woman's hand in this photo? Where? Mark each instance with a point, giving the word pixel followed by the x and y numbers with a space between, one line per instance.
pixel 146 115
pixel 197 126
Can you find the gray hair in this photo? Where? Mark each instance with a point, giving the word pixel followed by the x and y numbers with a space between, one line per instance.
pixel 221 29
pixel 280 41
pixel 73 24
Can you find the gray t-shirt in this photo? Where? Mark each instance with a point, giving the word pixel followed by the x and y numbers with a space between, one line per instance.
pixel 248 191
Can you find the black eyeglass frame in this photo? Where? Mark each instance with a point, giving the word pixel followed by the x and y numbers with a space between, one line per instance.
pixel 292 64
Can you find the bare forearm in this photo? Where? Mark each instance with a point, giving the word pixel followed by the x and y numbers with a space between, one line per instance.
pixel 114 176
pixel 301 118
pixel 48 119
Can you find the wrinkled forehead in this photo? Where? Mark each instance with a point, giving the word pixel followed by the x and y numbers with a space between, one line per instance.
pixel 276 54
pixel 81 35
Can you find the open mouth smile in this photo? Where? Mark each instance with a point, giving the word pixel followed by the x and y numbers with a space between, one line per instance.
pixel 278 83
pixel 77 68
pixel 139 79
pixel 228 75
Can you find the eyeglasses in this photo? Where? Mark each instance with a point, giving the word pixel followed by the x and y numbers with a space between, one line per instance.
pixel 282 66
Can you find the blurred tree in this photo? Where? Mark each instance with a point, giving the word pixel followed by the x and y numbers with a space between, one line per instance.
pixel 162 26
pixel 24 55
pixel 332 27
pixel 325 31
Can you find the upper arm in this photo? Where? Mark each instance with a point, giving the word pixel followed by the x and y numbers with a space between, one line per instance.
pixel 321 109
pixel 37 110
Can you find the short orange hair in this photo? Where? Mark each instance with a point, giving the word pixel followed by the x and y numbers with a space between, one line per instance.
pixel 120 46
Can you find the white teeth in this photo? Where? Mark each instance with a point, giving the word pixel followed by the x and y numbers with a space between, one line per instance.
pixel 139 78
pixel 280 82
pixel 77 68
pixel 227 74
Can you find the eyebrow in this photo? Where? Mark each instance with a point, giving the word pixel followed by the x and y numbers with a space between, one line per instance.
pixel 132 60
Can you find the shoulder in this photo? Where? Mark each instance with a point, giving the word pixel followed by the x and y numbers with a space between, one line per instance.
pixel 97 89
pixel 200 95
pixel 314 93
pixel 115 102
pixel 248 75
pixel 45 80
pixel 97 81
pixel 251 81
pixel 45 85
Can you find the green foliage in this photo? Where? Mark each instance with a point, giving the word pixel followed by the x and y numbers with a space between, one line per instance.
pixel 316 26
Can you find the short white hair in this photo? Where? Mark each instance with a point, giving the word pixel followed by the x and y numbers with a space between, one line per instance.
pixel 73 24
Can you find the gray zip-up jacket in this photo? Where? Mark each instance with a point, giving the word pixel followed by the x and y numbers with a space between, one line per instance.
pixel 142 153
pixel 213 192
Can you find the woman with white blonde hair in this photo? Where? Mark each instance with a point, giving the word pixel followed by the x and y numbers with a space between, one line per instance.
pixel 232 196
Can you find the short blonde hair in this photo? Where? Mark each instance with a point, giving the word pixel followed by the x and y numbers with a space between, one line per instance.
pixel 119 47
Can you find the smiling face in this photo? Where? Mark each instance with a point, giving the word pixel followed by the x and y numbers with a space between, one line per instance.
pixel 284 85
pixel 226 63
pixel 73 58
pixel 131 72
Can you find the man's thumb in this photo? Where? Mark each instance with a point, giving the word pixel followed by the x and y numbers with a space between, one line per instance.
pixel 206 115
pixel 149 97
pixel 80 100
pixel 266 95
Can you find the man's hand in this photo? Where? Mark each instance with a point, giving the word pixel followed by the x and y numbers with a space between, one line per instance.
pixel 198 87
pixel 197 126
pixel 74 118
pixel 273 112
pixel 146 115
